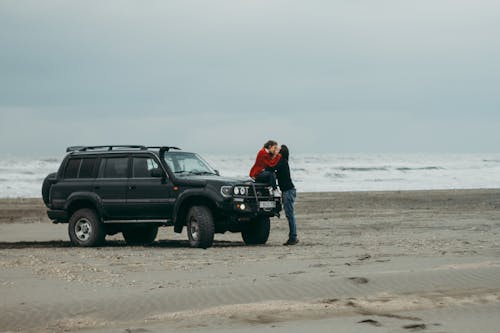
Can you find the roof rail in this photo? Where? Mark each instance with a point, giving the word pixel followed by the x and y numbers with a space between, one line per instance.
pixel 74 148
pixel 110 147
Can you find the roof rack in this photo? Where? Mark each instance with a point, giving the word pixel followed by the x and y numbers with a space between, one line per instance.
pixel 111 147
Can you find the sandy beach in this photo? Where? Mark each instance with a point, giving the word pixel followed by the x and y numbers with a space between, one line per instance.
pixel 426 261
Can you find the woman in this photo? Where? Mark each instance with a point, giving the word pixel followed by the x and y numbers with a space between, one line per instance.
pixel 268 157
pixel 288 192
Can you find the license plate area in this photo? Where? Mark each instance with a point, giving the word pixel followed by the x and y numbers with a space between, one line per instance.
pixel 267 204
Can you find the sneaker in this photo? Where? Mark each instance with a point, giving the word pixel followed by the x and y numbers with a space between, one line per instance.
pixel 291 242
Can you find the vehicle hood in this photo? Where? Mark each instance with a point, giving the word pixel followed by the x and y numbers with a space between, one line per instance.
pixel 204 180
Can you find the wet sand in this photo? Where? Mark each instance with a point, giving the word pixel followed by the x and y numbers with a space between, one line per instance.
pixel 426 261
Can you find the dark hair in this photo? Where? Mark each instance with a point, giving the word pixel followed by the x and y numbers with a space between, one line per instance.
pixel 269 144
pixel 285 153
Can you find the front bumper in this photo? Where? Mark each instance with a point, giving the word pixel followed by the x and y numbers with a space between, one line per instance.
pixel 233 218
pixel 251 206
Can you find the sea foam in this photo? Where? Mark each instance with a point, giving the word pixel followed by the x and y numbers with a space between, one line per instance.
pixel 23 176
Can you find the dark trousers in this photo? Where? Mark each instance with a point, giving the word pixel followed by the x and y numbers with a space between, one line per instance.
pixel 267 177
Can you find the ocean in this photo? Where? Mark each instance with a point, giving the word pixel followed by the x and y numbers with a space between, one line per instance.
pixel 23 176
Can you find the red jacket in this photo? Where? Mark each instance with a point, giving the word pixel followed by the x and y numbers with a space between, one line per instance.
pixel 263 161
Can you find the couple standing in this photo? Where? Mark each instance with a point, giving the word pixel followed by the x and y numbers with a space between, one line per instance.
pixel 270 165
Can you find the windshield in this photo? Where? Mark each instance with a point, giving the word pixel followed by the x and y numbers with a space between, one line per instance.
pixel 182 163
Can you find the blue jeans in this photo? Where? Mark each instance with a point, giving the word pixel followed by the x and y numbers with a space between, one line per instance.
pixel 288 205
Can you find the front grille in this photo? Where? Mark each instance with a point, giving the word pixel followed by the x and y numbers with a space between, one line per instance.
pixel 262 191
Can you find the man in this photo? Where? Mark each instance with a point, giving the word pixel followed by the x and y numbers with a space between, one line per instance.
pixel 288 193
pixel 268 157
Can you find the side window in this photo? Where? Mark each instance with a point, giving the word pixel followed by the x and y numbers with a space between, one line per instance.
pixel 72 168
pixel 142 167
pixel 87 168
pixel 114 167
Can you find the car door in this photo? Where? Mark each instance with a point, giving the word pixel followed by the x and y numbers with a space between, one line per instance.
pixel 148 197
pixel 111 185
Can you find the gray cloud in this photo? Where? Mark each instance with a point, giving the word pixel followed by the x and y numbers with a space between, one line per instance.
pixel 226 75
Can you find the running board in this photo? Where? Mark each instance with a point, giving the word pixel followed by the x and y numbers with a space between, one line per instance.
pixel 162 222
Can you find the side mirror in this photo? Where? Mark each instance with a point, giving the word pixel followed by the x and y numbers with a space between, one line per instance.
pixel 217 172
pixel 157 173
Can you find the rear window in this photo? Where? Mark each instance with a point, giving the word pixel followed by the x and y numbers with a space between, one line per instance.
pixel 114 167
pixel 72 168
pixel 80 168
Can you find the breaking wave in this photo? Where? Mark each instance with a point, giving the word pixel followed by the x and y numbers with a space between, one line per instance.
pixel 22 176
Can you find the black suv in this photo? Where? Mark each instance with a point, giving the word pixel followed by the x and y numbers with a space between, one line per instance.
pixel 104 190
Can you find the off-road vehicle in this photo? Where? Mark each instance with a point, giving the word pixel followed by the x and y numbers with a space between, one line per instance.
pixel 104 190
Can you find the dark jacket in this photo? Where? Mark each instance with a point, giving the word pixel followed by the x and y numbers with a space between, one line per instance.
pixel 283 174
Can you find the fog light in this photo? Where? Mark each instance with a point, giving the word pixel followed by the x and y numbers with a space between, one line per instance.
pixel 243 206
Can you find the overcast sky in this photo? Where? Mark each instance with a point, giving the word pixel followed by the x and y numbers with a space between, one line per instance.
pixel 225 76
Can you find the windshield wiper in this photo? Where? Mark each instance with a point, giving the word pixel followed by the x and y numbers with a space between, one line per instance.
pixel 199 173
pixel 196 173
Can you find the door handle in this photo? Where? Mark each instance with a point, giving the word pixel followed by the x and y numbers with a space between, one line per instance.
pixel 131 187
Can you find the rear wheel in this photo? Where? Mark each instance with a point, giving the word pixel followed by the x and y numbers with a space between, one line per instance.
pixel 85 228
pixel 143 235
pixel 256 232
pixel 200 227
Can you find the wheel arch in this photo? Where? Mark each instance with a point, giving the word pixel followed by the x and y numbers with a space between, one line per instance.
pixel 79 200
pixel 187 200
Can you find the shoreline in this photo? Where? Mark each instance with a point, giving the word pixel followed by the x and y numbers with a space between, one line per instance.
pixel 328 191
pixel 29 210
pixel 350 191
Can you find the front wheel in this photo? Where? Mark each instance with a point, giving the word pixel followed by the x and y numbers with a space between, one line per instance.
pixel 200 227
pixel 85 228
pixel 256 232
pixel 140 235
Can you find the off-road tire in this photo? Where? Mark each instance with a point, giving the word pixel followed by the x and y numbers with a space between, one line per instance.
pixel 143 235
pixel 85 228
pixel 200 227
pixel 256 232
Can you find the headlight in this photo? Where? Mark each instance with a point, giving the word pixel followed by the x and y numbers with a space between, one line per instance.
pixel 240 190
pixel 226 191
